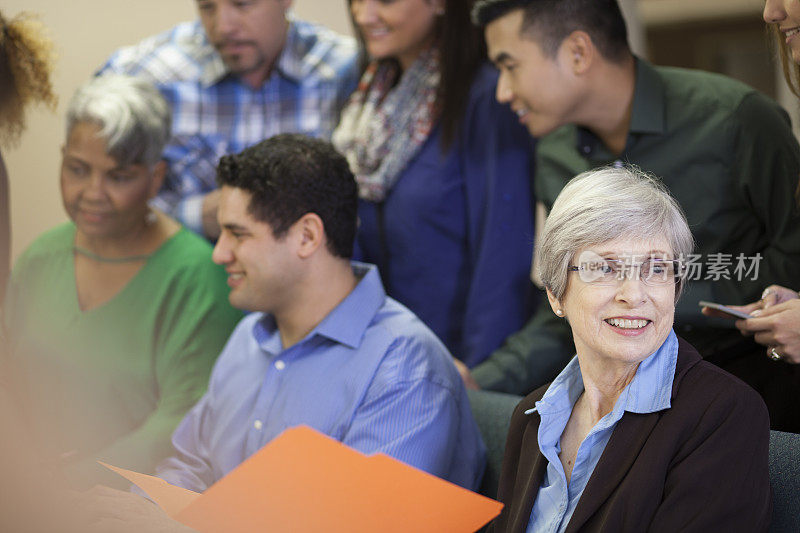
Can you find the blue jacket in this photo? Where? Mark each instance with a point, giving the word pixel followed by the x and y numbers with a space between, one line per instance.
pixel 456 238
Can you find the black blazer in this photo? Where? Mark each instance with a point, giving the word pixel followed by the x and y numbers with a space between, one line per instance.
pixel 701 465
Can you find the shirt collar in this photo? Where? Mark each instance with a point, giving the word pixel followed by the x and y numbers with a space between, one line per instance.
pixel 649 391
pixel 651 387
pixel 345 324
pixel 647 110
pixel 563 392
pixel 349 320
pixel 290 63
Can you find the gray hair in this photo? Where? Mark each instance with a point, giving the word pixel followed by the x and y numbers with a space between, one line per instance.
pixel 133 117
pixel 602 205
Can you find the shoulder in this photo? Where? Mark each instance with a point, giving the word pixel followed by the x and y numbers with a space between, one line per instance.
pixel 706 386
pixel 413 352
pixel 186 249
pixel 186 242
pixel 519 417
pixel 54 242
pixel 702 89
pixel 706 395
pixel 706 94
pixel 177 54
pixel 185 261
pixel 559 145
pixel 326 53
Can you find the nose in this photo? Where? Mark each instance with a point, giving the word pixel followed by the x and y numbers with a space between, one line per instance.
pixel 773 11
pixel 631 289
pixel 503 92
pixel 222 254
pixel 363 12
pixel 226 21
pixel 95 187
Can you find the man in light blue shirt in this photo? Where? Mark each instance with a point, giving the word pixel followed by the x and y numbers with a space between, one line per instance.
pixel 324 346
pixel 242 73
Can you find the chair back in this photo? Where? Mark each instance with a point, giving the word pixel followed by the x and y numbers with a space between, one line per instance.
pixel 784 476
pixel 492 412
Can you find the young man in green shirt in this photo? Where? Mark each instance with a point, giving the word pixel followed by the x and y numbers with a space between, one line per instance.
pixel 725 151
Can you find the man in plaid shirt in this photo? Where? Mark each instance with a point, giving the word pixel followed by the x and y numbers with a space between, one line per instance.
pixel 247 70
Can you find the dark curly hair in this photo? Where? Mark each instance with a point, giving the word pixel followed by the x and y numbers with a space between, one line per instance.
pixel 289 175
pixel 554 20
pixel 25 64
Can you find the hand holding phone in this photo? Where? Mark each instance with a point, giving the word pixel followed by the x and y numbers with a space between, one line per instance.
pixel 725 310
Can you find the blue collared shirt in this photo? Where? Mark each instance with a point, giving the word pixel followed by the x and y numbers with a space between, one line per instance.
pixel 648 392
pixel 214 113
pixel 370 375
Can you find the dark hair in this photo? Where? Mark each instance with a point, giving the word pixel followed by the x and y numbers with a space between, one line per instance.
pixel 554 20
pixel 25 64
pixel 791 71
pixel 289 175
pixel 462 51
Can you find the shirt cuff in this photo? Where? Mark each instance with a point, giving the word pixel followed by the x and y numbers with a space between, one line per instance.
pixel 190 213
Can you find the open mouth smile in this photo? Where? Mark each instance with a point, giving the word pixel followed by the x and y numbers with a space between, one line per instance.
pixel 626 323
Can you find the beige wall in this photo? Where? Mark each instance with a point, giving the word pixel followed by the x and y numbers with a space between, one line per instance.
pixel 85 33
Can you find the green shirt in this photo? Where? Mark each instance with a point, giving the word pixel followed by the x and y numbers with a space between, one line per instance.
pixel 113 382
pixel 728 155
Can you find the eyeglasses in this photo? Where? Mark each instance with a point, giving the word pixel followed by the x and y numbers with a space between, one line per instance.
pixel 653 272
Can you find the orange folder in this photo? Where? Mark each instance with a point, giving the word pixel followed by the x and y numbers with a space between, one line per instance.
pixel 306 481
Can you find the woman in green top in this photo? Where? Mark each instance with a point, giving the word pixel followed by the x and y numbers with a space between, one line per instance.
pixel 114 319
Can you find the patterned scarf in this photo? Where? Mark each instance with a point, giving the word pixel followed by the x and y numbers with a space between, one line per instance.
pixel 384 125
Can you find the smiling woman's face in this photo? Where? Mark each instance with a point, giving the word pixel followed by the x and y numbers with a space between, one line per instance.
pixel 785 14
pixel 102 198
pixel 622 323
pixel 398 29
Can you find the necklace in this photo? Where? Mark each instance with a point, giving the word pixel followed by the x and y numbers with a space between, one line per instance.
pixel 102 259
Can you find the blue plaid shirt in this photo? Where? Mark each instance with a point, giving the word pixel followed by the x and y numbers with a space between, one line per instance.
pixel 215 113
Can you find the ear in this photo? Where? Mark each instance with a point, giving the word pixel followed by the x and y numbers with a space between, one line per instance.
pixel 157 176
pixel 555 305
pixel 309 234
pixel 579 52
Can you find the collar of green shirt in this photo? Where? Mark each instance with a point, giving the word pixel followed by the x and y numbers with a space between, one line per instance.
pixel 647 114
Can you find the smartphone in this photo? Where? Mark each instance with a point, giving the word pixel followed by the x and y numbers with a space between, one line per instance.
pixel 725 309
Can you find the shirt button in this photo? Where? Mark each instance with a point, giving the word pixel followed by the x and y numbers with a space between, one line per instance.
pixel 258 424
pixel 280 365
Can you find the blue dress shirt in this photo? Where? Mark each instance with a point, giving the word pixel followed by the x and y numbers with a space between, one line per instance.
pixel 214 113
pixel 370 375
pixel 648 392
pixel 453 239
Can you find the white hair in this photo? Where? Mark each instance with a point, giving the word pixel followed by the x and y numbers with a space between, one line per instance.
pixel 602 205
pixel 133 117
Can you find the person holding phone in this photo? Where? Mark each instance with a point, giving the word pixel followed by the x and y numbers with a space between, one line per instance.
pixel 775 318
pixel 774 322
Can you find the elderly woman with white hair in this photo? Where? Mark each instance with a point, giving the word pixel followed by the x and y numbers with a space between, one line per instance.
pixel 637 432
pixel 115 318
